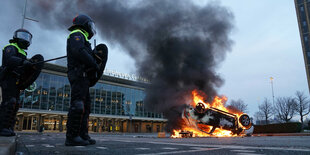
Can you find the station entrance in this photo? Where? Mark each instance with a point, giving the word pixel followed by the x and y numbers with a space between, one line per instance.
pixel 29 121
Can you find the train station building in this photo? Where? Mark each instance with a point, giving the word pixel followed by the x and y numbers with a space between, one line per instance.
pixel 116 104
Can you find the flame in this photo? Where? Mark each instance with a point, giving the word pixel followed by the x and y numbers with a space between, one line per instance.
pixel 198 133
pixel 202 130
pixel 218 102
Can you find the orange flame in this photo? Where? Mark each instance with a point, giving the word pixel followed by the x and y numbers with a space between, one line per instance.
pixel 202 130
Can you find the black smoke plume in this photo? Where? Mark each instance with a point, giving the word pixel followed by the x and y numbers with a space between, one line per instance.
pixel 175 43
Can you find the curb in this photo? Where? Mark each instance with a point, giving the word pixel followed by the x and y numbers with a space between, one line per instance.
pixel 281 134
pixel 8 145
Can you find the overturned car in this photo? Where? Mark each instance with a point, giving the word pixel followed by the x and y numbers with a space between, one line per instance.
pixel 201 115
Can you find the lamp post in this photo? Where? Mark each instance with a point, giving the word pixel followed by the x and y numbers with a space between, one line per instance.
pixel 271 81
pixel 24 15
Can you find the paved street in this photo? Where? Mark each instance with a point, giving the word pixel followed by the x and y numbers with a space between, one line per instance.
pixel 53 143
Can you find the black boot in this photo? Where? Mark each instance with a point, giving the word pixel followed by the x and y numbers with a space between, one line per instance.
pixel 6 132
pixel 73 126
pixel 12 131
pixel 84 129
pixel 87 138
pixel 76 141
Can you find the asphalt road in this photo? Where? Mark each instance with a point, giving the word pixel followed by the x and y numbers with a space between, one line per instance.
pixel 53 143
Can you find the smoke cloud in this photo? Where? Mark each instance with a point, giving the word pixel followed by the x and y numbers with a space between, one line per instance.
pixel 176 44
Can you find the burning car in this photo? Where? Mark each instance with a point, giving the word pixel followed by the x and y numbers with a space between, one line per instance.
pixel 202 115
pixel 202 118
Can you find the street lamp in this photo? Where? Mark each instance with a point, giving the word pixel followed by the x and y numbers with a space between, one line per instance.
pixel 271 81
pixel 24 15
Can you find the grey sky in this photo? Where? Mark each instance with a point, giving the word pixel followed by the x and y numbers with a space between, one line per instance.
pixel 266 43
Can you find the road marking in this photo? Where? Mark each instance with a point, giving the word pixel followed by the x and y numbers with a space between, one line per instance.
pixel 49 146
pixel 142 148
pixel 219 146
pixel 102 140
pixel 101 147
pixel 29 145
pixel 169 148
pixel 249 154
pixel 184 151
pixel 245 151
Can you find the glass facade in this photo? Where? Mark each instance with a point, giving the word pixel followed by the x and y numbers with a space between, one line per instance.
pixel 303 16
pixel 52 93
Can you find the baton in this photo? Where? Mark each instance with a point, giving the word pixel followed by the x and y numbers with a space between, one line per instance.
pixel 49 60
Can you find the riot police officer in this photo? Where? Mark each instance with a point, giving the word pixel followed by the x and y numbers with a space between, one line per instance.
pixel 83 65
pixel 14 64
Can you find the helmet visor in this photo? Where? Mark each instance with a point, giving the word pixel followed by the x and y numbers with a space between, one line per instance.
pixel 24 35
pixel 92 27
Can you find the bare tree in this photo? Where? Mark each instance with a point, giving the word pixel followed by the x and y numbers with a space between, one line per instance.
pixel 285 108
pixel 266 110
pixel 239 105
pixel 302 107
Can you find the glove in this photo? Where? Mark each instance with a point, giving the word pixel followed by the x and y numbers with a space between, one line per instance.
pixel 101 53
pixel 27 64
pixel 102 47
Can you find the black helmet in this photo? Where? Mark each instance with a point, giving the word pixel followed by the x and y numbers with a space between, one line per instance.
pixel 85 22
pixel 22 37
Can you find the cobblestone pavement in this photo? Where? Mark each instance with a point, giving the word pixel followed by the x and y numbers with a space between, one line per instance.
pixel 53 143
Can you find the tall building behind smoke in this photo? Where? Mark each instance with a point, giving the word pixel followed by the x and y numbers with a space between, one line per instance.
pixel 303 16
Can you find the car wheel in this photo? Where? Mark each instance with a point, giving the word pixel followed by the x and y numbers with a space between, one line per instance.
pixel 200 107
pixel 245 121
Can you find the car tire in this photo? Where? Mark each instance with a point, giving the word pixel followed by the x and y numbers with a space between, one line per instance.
pixel 245 121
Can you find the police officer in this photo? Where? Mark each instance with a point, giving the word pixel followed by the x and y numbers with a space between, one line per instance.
pixel 14 63
pixel 81 62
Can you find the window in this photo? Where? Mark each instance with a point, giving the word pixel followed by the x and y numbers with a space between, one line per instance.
pixel 113 100
pixel 92 99
pixel 66 96
pixel 98 99
pixel 104 101
pixel 304 23
pixel 108 100
pixel 53 92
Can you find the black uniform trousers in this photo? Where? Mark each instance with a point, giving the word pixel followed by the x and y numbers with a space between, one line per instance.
pixel 78 122
pixel 10 102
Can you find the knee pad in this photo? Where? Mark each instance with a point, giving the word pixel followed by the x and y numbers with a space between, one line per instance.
pixel 77 106
pixel 12 101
